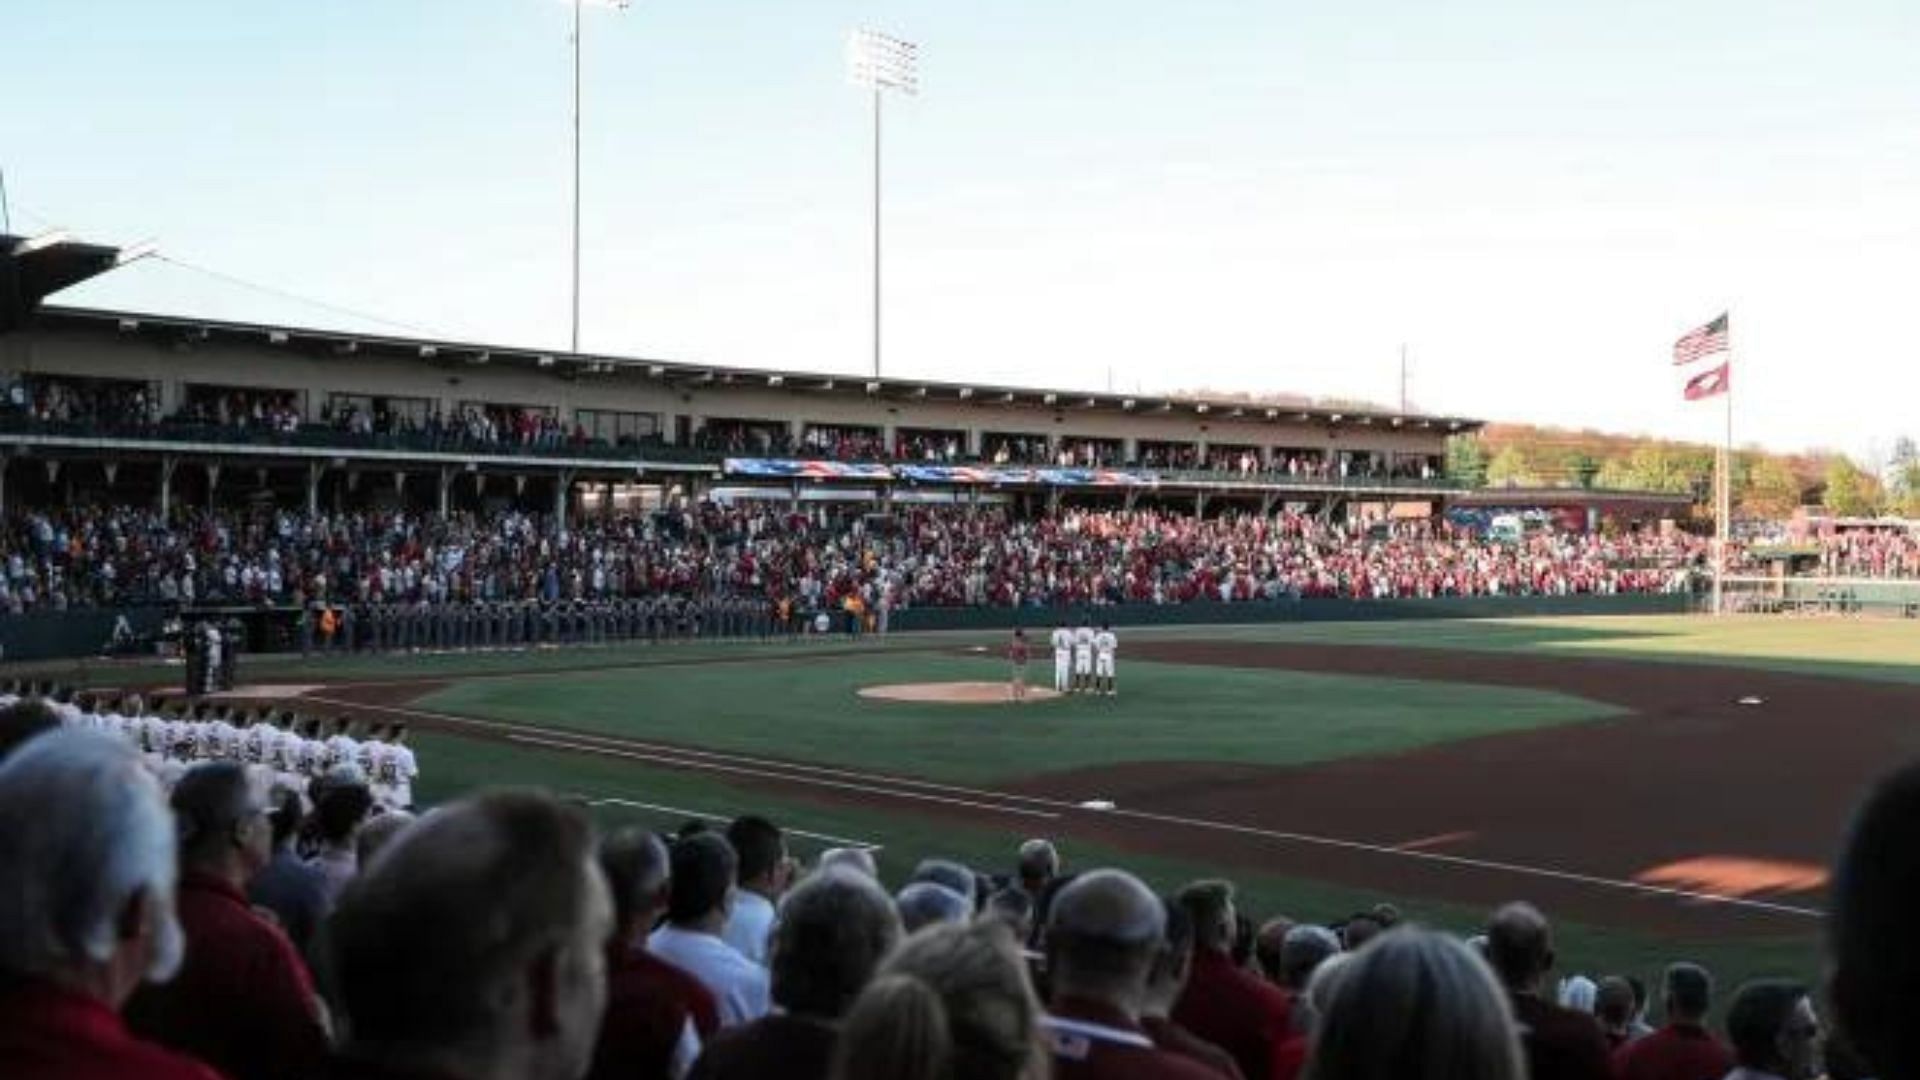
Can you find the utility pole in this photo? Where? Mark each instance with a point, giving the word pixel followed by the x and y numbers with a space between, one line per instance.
pixel 1403 378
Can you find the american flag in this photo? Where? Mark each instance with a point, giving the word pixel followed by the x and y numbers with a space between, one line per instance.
pixel 1709 339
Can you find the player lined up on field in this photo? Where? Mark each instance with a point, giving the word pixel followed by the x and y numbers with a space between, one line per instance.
pixel 293 750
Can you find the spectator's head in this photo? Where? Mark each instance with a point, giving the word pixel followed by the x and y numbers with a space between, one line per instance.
pixel 1579 993
pixel 285 817
pixel 762 850
pixel 853 859
pixel 1520 946
pixel 220 814
pixel 1639 997
pixel 923 903
pixel 377 833
pixel 1103 935
pixel 1613 1003
pixel 832 932
pixel 1210 905
pixel 1039 863
pixel 474 946
pixel 635 864
pixel 952 1003
pixel 1013 906
pixel 1873 935
pixel 702 869
pixel 1172 964
pixel 953 875
pixel 21 721
pixel 1303 951
pixel 1360 929
pixel 1773 1029
pixel 87 854
pixel 1415 1005
pixel 340 811
pixel 1689 993
pixel 1243 933
pixel 1267 942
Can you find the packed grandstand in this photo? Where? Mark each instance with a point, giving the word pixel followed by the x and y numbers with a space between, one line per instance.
pixel 913 557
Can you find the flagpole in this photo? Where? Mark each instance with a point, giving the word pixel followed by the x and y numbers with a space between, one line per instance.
pixel 1724 530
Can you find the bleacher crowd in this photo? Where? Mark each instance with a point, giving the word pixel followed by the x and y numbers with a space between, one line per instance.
pixel 914 557
pixel 162 935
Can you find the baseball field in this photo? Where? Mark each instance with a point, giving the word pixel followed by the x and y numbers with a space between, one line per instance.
pixel 1664 788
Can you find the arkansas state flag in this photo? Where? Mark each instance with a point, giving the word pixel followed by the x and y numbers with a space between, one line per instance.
pixel 1710 383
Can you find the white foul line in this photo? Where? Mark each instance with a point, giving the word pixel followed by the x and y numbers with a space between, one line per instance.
pixel 870 789
pixel 797 770
pixel 669 755
pixel 864 845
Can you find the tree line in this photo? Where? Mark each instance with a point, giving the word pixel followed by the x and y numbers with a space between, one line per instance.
pixel 1765 484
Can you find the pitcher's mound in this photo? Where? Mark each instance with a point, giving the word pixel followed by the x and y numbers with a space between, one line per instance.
pixel 953 693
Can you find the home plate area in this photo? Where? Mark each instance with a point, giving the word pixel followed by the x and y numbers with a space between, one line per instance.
pixel 953 693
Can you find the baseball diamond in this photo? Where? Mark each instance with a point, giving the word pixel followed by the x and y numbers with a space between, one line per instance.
pixel 1266 579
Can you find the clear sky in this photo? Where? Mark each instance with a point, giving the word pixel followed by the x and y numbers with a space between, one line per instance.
pixel 1534 197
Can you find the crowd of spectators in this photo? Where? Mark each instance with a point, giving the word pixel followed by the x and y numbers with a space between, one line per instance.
pixel 915 557
pixel 274 411
pixel 99 403
pixel 149 933
pixel 744 438
pixel 126 404
pixel 1871 554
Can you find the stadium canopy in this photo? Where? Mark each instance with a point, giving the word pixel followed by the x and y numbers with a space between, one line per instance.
pixel 186 332
pixel 33 268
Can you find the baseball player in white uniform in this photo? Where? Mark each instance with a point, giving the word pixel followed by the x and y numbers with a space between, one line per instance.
pixel 1083 657
pixel 1062 659
pixel 1104 646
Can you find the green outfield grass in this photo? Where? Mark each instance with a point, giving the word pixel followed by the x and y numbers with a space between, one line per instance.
pixel 1879 649
pixel 453 765
pixel 808 710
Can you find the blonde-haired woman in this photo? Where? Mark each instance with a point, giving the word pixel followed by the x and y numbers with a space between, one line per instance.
pixel 952 1004
pixel 1415 1005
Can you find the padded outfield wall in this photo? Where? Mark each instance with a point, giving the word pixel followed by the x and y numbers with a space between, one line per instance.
pixel 73 634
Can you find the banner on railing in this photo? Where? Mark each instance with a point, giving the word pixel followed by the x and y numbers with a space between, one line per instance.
pixel 802 469
pixel 793 469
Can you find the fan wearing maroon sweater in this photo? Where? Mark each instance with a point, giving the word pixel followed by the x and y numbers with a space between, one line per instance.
pixel 1223 1003
pixel 1104 933
pixel 87 854
pixel 1684 1049
pixel 1560 1044
pixel 658 1016
pixel 243 1001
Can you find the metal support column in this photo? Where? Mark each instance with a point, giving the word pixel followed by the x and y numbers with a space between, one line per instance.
pixel 167 464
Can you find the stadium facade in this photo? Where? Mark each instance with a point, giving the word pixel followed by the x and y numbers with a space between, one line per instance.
pixel 223 411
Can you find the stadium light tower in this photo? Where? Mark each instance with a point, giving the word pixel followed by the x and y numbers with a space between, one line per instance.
pixel 616 5
pixel 880 63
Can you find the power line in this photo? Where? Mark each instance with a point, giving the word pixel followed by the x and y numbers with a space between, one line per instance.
pixel 284 294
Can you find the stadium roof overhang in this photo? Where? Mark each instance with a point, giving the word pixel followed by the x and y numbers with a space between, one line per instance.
pixel 185 332
pixel 33 268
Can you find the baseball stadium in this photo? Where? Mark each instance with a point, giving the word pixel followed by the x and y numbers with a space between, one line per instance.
pixel 380 637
